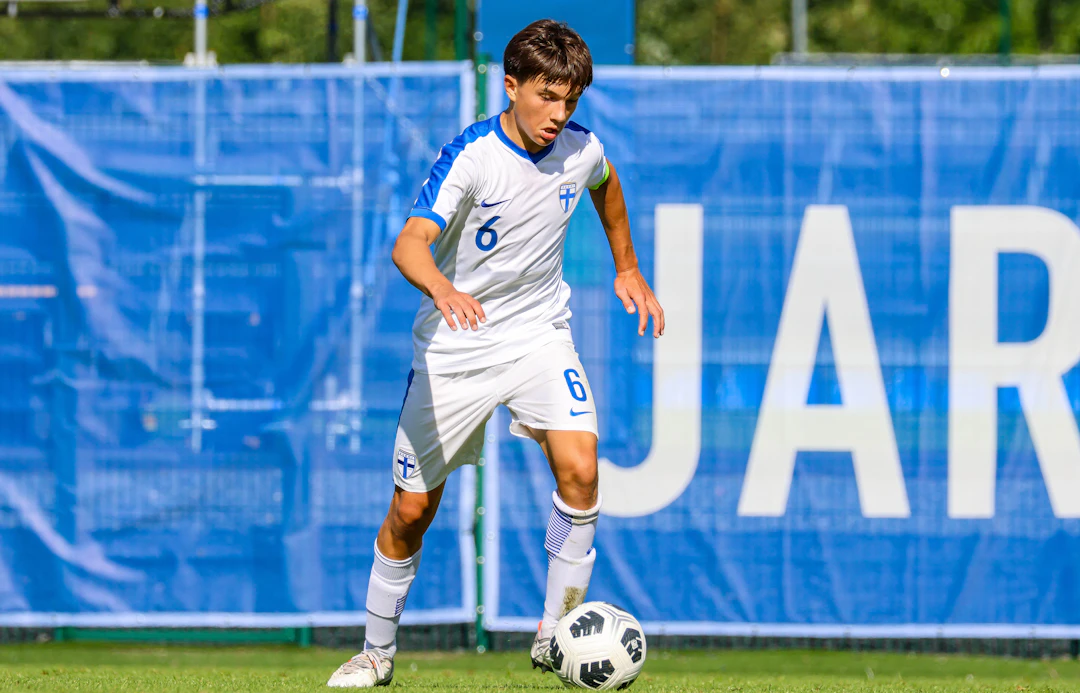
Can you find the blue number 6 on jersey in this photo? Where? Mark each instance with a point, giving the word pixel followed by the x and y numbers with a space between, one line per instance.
pixel 577 390
pixel 481 242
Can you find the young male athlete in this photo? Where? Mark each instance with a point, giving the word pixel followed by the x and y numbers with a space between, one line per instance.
pixel 493 328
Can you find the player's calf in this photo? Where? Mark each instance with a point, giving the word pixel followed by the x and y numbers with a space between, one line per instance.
pixel 569 546
pixel 397 558
pixel 388 588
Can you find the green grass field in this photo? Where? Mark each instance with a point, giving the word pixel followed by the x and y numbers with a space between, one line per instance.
pixel 149 669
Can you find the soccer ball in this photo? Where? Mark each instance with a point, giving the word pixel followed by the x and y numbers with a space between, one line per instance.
pixel 598 645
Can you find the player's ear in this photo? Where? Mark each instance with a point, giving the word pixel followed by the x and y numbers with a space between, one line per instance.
pixel 511 85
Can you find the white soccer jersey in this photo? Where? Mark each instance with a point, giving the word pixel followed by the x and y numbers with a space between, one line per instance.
pixel 503 214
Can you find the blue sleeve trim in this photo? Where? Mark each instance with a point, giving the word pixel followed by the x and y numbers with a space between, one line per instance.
pixel 425 213
pixel 441 169
pixel 571 125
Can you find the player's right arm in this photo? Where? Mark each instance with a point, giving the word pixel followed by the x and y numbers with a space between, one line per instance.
pixel 447 192
pixel 412 255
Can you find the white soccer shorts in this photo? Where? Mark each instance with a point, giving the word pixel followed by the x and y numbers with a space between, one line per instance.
pixel 443 416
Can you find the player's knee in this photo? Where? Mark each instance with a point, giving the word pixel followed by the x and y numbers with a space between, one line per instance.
pixel 411 516
pixel 578 481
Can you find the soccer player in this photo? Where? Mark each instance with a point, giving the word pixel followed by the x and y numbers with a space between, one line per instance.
pixel 493 328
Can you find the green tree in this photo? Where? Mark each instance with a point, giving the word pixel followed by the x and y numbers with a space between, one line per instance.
pixel 692 32
pixel 670 32
pixel 293 31
pixel 752 31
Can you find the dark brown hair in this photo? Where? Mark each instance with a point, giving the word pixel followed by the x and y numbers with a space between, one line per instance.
pixel 550 51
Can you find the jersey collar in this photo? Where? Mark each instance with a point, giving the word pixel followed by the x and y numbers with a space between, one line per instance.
pixel 535 158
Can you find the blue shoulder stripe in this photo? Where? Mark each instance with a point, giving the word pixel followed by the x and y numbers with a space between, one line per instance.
pixel 441 169
pixel 571 125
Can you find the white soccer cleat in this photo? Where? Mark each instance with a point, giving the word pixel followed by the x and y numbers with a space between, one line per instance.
pixel 365 670
pixel 541 653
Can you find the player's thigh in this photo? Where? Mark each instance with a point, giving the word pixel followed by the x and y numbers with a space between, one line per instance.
pixel 441 427
pixel 548 390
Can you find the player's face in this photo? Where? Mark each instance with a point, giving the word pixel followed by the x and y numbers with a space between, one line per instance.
pixel 541 109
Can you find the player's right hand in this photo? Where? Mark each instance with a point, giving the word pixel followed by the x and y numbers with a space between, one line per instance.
pixel 456 304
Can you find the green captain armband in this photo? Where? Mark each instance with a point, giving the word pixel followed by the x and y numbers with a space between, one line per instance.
pixel 607 172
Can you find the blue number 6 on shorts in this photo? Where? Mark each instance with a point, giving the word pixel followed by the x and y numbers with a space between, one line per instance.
pixel 577 390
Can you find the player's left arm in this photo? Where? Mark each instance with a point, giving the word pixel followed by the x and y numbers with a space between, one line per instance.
pixel 630 285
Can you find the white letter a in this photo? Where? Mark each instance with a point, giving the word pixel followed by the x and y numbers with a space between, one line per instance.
pixel 825 284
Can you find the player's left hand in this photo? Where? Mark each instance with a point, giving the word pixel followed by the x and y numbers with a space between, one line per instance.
pixel 637 297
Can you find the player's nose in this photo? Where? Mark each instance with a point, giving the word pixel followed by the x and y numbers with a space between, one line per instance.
pixel 559 116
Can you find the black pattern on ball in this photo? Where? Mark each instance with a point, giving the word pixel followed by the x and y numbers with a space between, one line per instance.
pixel 588 623
pixel 631 640
pixel 596 674
pixel 556 654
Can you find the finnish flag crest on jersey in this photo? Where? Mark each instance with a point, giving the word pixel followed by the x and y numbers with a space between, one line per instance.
pixel 567 192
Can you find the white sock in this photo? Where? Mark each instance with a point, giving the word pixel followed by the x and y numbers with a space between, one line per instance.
pixel 387 591
pixel 569 545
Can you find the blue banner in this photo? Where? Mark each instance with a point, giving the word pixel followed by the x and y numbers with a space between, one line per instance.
pixel 862 418
pixel 205 344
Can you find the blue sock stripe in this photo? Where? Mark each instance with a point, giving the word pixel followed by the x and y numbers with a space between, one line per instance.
pixel 558 529
pixel 559 524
